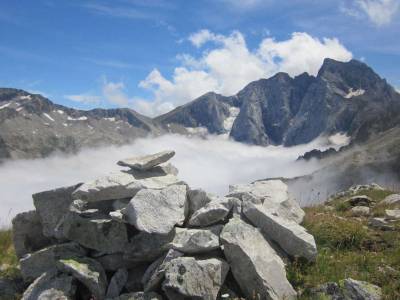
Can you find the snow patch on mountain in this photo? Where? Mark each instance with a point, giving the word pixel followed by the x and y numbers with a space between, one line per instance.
pixel 233 113
pixel 110 119
pixel 77 119
pixel 339 140
pixel 198 131
pixel 354 93
pixel 48 117
pixel 5 105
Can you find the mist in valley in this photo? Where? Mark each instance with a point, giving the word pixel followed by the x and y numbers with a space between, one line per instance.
pixel 211 164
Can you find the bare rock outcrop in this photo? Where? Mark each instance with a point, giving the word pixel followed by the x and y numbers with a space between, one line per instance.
pixel 141 233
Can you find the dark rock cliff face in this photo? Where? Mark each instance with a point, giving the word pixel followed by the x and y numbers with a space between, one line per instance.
pixel 268 107
pixel 209 111
pixel 345 97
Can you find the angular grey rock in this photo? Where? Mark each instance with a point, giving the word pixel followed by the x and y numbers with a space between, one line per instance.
pixel 9 288
pixel 274 196
pixel 35 264
pixel 139 296
pixel 361 200
pixel 393 199
pixel 196 241
pixel 117 283
pixel 147 247
pixel 392 214
pixel 28 233
pixel 291 237
pixel 236 206
pixel 188 278
pixel 197 199
pixel 95 232
pixel 135 278
pixel 157 211
pixel 118 216
pixel 155 273
pixel 115 261
pixel 360 211
pixel 254 263
pixel 52 206
pixel 120 204
pixel 211 213
pixel 89 272
pixel 329 291
pixel 124 184
pixel 381 224
pixel 147 162
pixel 50 285
pixel 354 289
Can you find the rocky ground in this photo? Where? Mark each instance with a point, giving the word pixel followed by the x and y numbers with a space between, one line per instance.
pixel 358 235
pixel 141 233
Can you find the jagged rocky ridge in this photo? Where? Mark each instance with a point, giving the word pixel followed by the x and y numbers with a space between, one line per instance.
pixel 345 99
pixel 141 233
pixel 32 126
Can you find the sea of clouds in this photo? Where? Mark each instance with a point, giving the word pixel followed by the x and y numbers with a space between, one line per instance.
pixel 211 164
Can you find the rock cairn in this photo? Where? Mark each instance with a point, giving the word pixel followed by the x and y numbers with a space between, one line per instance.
pixel 141 233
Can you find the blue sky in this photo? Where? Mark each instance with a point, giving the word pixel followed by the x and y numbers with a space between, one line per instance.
pixel 152 55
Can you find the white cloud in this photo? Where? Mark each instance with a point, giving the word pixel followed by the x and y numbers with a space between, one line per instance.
pixel 111 92
pixel 114 92
pixel 229 64
pixel 84 98
pixel 379 12
pixel 226 161
pixel 201 37
pixel 302 53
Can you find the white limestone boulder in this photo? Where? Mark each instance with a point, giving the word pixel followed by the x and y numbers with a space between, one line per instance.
pixel 256 266
pixel 157 211
pixel 124 184
pixel 147 162
pixel 196 241
pixel 213 212
pixel 274 196
pixel 290 236
pixel 188 278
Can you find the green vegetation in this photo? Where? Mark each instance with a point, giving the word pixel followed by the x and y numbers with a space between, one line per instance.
pixel 347 247
pixel 8 259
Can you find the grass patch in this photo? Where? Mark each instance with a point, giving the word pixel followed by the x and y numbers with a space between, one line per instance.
pixel 335 232
pixel 8 259
pixel 347 248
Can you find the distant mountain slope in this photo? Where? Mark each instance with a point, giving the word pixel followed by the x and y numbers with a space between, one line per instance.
pixel 32 126
pixel 209 111
pixel 345 97
pixel 374 161
pixel 346 100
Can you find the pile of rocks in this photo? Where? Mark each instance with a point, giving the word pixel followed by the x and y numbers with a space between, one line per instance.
pixel 141 233
pixel 357 188
pixel 362 205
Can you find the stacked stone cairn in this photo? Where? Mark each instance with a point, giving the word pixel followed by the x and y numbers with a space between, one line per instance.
pixel 141 233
